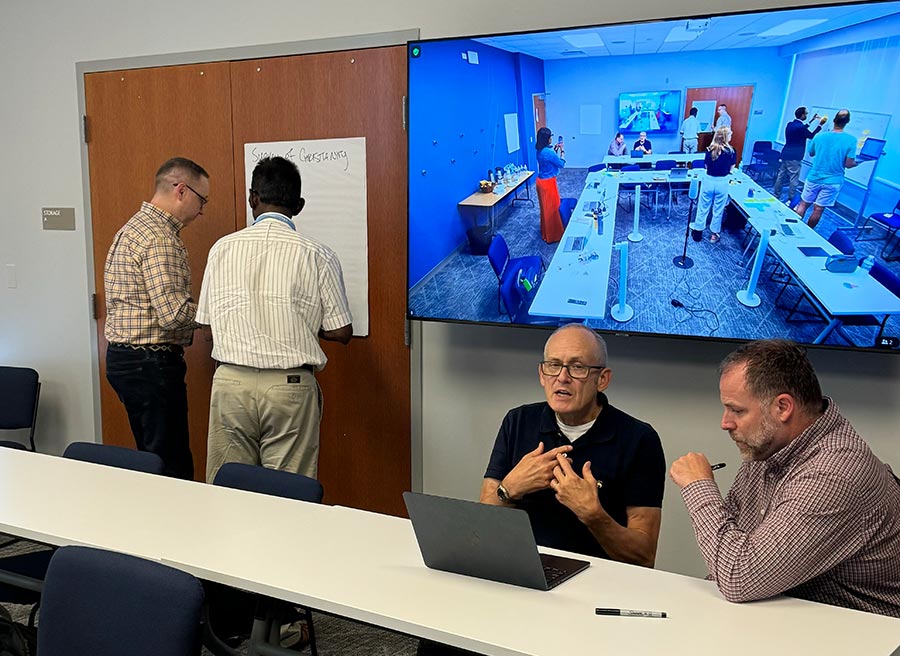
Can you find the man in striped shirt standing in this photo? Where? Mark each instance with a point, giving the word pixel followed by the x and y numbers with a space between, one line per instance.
pixel 270 293
pixel 150 314
pixel 812 513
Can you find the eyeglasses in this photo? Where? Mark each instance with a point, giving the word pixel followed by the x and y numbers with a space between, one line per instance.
pixel 203 199
pixel 576 370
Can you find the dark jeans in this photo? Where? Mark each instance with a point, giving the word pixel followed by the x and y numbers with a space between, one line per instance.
pixel 151 386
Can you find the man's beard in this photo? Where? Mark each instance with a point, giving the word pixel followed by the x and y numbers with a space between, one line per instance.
pixel 759 443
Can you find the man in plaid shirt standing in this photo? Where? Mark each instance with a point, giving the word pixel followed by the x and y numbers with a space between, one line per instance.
pixel 812 513
pixel 150 313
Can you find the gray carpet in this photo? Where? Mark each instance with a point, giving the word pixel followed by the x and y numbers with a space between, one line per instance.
pixel 334 636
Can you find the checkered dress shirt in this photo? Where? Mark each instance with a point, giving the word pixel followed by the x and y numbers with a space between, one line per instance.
pixel 818 520
pixel 147 280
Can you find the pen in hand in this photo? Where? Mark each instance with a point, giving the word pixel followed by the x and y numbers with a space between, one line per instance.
pixel 624 612
pixel 718 465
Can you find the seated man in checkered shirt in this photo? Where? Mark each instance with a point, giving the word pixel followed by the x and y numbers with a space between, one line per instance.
pixel 812 513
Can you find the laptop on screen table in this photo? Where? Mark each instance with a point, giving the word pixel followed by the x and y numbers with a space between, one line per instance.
pixel 484 541
pixel 871 149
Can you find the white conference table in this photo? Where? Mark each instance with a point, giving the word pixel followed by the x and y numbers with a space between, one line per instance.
pixel 576 281
pixel 624 160
pixel 835 294
pixel 367 567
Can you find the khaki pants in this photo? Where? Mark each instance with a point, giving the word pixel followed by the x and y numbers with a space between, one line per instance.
pixel 264 417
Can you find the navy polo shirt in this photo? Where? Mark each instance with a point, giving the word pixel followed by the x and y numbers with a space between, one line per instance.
pixel 721 165
pixel 625 454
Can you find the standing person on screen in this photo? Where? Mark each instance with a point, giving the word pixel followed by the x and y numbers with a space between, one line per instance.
pixel 812 512
pixel 643 144
pixel 269 294
pixel 690 128
pixel 617 146
pixel 796 134
pixel 832 153
pixel 150 314
pixel 549 165
pixel 589 476
pixel 720 159
pixel 723 120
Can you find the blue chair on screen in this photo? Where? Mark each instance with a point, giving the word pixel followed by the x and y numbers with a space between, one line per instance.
pixel 842 242
pixel 103 603
pixel 596 167
pixel 529 266
pixel 889 222
pixel 626 188
pixel 20 391
pixel 517 302
pixel 270 614
pixel 115 456
pixel 566 208
pixel 698 163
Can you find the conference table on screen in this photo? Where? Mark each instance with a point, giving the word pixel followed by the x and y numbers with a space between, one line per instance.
pixel 618 161
pixel 489 201
pixel 576 282
pixel 367 567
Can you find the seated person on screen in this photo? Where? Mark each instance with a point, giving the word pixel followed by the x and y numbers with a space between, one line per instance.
pixel 812 512
pixel 643 144
pixel 617 146
pixel 589 476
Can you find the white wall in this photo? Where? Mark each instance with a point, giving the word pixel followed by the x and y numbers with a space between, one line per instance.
pixel 471 375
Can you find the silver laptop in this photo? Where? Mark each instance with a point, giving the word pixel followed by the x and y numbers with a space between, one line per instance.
pixel 484 541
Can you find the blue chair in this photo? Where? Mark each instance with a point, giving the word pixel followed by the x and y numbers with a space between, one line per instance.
pixel 115 456
pixel 505 266
pixel 20 391
pixel 698 163
pixel 628 187
pixel 270 614
pixel 102 603
pixel 566 208
pixel 890 223
pixel 842 242
pixel 7 444
pixel 665 164
pixel 517 302
pixel 596 167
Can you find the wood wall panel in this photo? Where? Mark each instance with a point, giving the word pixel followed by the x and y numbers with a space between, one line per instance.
pixel 137 119
pixel 739 101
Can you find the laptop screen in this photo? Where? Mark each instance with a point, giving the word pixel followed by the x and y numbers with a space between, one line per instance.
pixel 872 148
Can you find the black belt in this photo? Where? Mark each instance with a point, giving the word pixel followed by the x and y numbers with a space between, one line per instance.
pixel 168 348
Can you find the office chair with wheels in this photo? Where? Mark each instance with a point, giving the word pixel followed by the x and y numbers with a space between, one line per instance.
pixel 115 456
pixel 103 603
pixel 20 391
pixel 530 266
pixel 270 614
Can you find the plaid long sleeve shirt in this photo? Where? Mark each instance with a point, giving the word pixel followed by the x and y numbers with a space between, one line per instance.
pixel 818 520
pixel 147 280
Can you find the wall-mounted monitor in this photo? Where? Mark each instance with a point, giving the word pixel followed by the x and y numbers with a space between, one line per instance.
pixel 501 234
pixel 649 111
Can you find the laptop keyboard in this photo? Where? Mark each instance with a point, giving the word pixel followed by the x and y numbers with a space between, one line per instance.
pixel 552 573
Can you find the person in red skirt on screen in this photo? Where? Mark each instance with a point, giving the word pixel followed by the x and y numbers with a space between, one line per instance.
pixel 549 164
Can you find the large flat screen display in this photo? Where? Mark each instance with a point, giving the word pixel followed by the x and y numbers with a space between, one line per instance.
pixel 763 199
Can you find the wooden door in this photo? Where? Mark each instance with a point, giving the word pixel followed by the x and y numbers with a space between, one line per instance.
pixel 137 119
pixel 540 112
pixel 364 458
pixel 739 102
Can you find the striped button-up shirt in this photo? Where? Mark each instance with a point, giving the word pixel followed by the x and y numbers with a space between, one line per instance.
pixel 267 292
pixel 818 520
pixel 147 280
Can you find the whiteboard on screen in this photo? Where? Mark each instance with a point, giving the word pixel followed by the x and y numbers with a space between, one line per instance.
pixel 334 186
pixel 862 125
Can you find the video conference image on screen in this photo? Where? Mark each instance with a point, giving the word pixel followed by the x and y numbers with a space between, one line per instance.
pixel 726 176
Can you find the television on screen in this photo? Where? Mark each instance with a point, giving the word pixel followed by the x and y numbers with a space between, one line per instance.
pixel 506 255
pixel 651 111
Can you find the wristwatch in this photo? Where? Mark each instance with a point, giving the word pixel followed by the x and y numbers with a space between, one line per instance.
pixel 503 494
